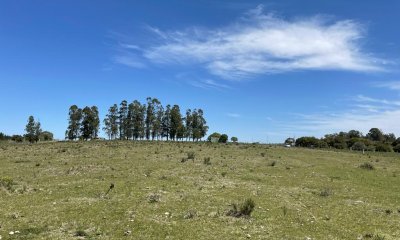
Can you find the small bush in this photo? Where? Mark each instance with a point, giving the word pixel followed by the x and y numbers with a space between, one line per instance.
pixel 153 198
pixel 81 233
pixel 367 166
pixel 326 192
pixel 272 164
pixel 191 155
pixel 7 183
pixel 207 161
pixel 244 210
pixel 382 147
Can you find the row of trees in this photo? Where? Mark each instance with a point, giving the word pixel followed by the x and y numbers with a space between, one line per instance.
pixel 374 140
pixel 33 133
pixel 83 123
pixel 221 138
pixel 134 121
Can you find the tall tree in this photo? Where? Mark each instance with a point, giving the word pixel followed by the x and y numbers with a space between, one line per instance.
pixel 375 135
pixel 111 122
pixel 32 130
pixel 166 122
pixel 123 119
pixel 74 122
pixel 188 124
pixel 158 115
pixel 150 115
pixel 95 121
pixel 176 125
pixel 87 123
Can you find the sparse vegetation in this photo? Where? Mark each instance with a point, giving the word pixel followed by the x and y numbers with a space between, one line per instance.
pixel 58 191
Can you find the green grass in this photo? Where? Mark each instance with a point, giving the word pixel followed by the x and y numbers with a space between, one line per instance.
pixel 58 191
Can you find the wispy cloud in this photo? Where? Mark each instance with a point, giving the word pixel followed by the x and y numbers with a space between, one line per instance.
pixel 129 60
pixel 208 84
pixel 371 112
pixel 233 115
pixel 260 43
pixel 392 85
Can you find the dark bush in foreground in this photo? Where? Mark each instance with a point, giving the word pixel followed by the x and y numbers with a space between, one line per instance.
pixel 367 166
pixel 244 210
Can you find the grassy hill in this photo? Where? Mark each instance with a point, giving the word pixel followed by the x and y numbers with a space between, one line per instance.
pixel 58 191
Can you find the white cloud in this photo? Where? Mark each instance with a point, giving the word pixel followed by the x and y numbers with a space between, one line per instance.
pixel 262 43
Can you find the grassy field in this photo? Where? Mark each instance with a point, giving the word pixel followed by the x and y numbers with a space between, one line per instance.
pixel 58 191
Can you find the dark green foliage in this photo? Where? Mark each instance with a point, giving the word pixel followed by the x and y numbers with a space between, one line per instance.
pixel 90 123
pixel 376 135
pixel 111 127
pixel 397 148
pixel 234 139
pixel 74 123
pixel 4 137
pixel 17 138
pixel 307 142
pixel 383 147
pixel 46 136
pixel 375 140
pixel 244 210
pixel 33 130
pixel 359 146
pixel 223 138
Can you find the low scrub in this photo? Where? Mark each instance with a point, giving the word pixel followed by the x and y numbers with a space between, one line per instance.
pixel 367 166
pixel 243 210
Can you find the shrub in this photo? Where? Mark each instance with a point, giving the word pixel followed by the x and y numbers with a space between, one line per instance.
pixel 153 198
pixel 382 147
pixel 397 148
pixel 7 183
pixel 207 161
pixel 244 210
pixel 359 146
pixel 307 142
pixel 234 139
pixel 191 155
pixel 326 192
pixel 223 138
pixel 367 166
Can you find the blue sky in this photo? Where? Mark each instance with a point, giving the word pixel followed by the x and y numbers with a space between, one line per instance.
pixel 261 70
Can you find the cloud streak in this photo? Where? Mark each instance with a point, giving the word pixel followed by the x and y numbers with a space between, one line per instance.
pixel 368 113
pixel 260 43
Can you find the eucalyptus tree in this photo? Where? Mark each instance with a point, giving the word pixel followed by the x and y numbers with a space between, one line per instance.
pixel 33 130
pixel 122 119
pixel 166 122
pixel 74 123
pixel 111 122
